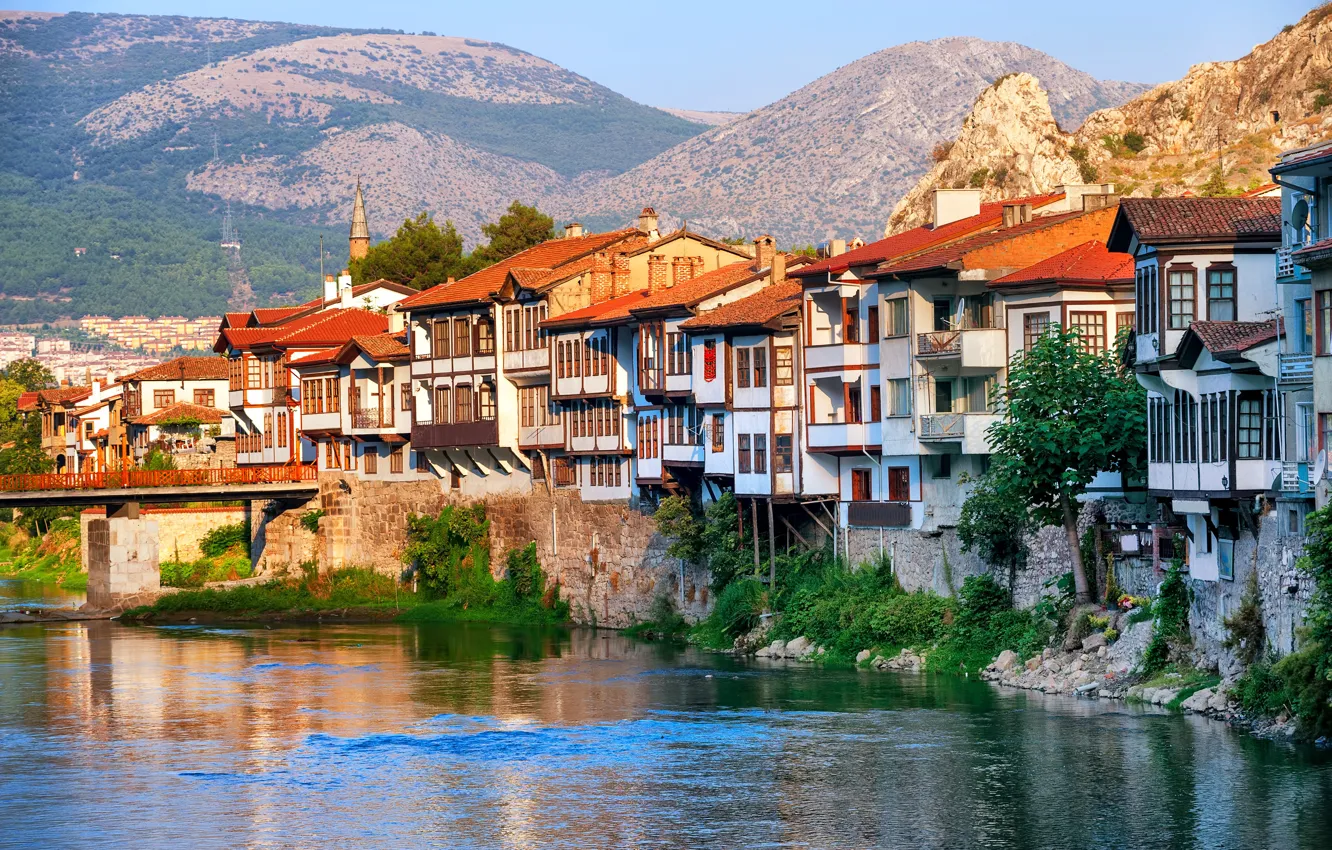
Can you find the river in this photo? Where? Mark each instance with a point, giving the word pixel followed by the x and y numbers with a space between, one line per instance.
pixel 474 736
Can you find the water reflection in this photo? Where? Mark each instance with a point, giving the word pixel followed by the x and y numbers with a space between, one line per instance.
pixel 23 593
pixel 475 736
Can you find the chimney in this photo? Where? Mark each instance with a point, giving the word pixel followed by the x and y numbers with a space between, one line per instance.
pixel 684 269
pixel 397 320
pixel 657 275
pixel 764 250
pixel 1090 203
pixel 619 274
pixel 647 222
pixel 602 278
pixel 344 289
pixel 1075 193
pixel 573 230
pixel 779 267
pixel 836 247
pixel 952 205
pixel 330 288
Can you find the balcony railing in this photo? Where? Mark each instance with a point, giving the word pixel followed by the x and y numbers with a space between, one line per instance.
pixel 132 478
pixel 1295 477
pixel 1285 263
pixel 943 426
pixel 372 418
pixel 878 514
pixel 456 435
pixel 1295 368
pixel 939 342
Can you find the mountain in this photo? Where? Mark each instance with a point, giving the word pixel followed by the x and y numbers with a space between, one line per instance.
pixel 832 157
pixel 130 137
pixel 1215 131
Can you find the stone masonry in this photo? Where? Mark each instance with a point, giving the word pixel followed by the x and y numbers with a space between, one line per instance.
pixel 122 562
pixel 180 529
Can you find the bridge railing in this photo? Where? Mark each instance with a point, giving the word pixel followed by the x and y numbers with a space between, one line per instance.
pixel 132 478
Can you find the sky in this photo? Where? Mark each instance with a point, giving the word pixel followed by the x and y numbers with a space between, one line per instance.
pixel 732 56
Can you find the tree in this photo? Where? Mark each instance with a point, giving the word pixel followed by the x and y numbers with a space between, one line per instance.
pixel 993 525
pixel 518 229
pixel 1067 415
pixel 30 374
pixel 419 255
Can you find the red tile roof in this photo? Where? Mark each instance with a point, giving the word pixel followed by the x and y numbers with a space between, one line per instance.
pixel 275 315
pixel 485 283
pixel 941 257
pixel 385 346
pixel 235 320
pixel 183 369
pixel 766 305
pixel 28 401
pixel 690 292
pixel 181 410
pixel 325 328
pixel 607 312
pixel 1221 338
pixel 919 238
pixel 1090 262
pixel 1166 220
pixel 63 395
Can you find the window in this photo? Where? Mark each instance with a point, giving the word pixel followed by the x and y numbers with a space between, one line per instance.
pixel 760 454
pixel 853 399
pixel 709 360
pixel 899 484
pixel 422 463
pixel 371 460
pixel 677 354
pixel 1249 429
pixel 742 453
pixel 439 334
pixel 1304 432
pixel 943 396
pixel 862 489
pixel 897 316
pixel 1181 298
pixel 349 455
pixel 1301 335
pixel 395 460
pixel 873 323
pixel 1090 327
pixel 268 430
pixel 781 453
pixel 203 397
pixel 850 321
pixel 1123 323
pixel 1034 326
pixel 1186 428
pixel 462 404
pixel 462 337
pixel 333 393
pixel 282 429
pixel 485 337
pixel 163 398
pixel 760 366
pixel 718 433
pixel 742 367
pixel 899 397
pixel 331 455
pixel 1158 430
pixel 783 366
pixel 486 401
pixel 405 396
pixel 943 466
pixel 1147 297
pixel 512 328
pixel 1324 321
pixel 876 403
pixel 1221 294
pixel 235 374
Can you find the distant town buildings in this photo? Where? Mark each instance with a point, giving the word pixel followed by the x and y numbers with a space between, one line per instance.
pixel 154 336
pixel 71 363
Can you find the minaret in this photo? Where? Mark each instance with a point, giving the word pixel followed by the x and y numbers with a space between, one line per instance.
pixel 359 243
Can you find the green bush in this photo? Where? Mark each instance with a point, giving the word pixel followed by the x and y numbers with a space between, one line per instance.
pixel 310 520
pixel 1260 691
pixel 1134 141
pixel 739 606
pixel 1171 627
pixel 911 619
pixel 1248 636
pixel 224 538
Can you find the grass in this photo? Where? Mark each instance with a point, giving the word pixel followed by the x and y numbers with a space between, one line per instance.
pixel 305 591
pixel 52 559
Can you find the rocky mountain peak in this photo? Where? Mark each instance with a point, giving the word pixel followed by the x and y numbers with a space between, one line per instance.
pixel 1009 146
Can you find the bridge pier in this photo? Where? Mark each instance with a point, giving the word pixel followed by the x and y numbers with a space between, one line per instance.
pixel 123 568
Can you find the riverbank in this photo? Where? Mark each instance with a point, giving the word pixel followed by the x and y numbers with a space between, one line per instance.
pixel 52 559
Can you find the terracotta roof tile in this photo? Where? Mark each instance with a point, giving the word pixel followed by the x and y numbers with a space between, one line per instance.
pixel 1090 262
pixel 1188 219
pixel 688 293
pixel 607 312
pixel 548 255
pixel 1222 338
pixel 276 315
pixel 764 306
pixel 919 238
pixel 63 395
pixel 331 327
pixel 385 346
pixel 181 410
pixel 183 369
pixel 28 401
pixel 941 257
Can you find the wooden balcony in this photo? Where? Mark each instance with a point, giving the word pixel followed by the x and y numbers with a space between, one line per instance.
pixel 879 514
pixel 456 435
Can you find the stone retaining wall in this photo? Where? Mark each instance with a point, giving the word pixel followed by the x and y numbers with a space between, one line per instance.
pixel 179 529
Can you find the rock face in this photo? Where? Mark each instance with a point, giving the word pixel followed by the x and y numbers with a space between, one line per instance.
pixel 1009 146
pixel 1162 142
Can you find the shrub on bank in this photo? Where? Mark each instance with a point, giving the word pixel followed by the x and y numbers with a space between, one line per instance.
pixel 52 558
pixel 226 557
pixel 306 589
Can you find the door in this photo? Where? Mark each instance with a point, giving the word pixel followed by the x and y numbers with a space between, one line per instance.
pixel 861 488
pixel 899 484
pixel 943 314
pixel 943 396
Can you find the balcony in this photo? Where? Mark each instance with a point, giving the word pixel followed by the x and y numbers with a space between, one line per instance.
pixel 1287 270
pixel 844 437
pixel 541 436
pixel 973 348
pixel 840 356
pixel 528 360
pixel 456 435
pixel 1295 368
pixel 1295 478
pixel 965 428
pixel 372 418
pixel 878 514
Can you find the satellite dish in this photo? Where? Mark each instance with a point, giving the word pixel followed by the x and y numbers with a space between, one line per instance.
pixel 1320 466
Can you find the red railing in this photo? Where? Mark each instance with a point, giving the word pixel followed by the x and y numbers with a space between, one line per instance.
pixel 131 478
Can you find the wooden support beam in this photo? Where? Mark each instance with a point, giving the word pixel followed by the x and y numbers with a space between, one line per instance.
pixel 753 520
pixel 798 536
pixel 772 550
pixel 816 519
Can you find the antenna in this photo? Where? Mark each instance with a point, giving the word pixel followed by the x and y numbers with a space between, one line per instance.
pixel 321 258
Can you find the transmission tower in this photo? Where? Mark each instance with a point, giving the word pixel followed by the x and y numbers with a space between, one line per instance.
pixel 230 236
pixel 216 154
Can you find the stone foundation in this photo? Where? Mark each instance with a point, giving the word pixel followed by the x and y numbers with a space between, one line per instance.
pixel 179 529
pixel 122 562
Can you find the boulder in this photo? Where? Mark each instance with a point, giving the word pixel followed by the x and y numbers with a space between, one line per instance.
pixel 879 662
pixel 1093 641
pixel 862 656
pixel 1033 662
pixel 1006 661
pixel 1200 700
pixel 772 650
pixel 796 647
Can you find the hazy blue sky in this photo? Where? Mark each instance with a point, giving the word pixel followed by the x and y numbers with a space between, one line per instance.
pixel 738 56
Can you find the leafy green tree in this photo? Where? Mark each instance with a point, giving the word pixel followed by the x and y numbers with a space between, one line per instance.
pixel 675 517
pixel 420 255
pixel 517 230
pixel 29 374
pixel 1067 415
pixel 1216 186
pixel 993 525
